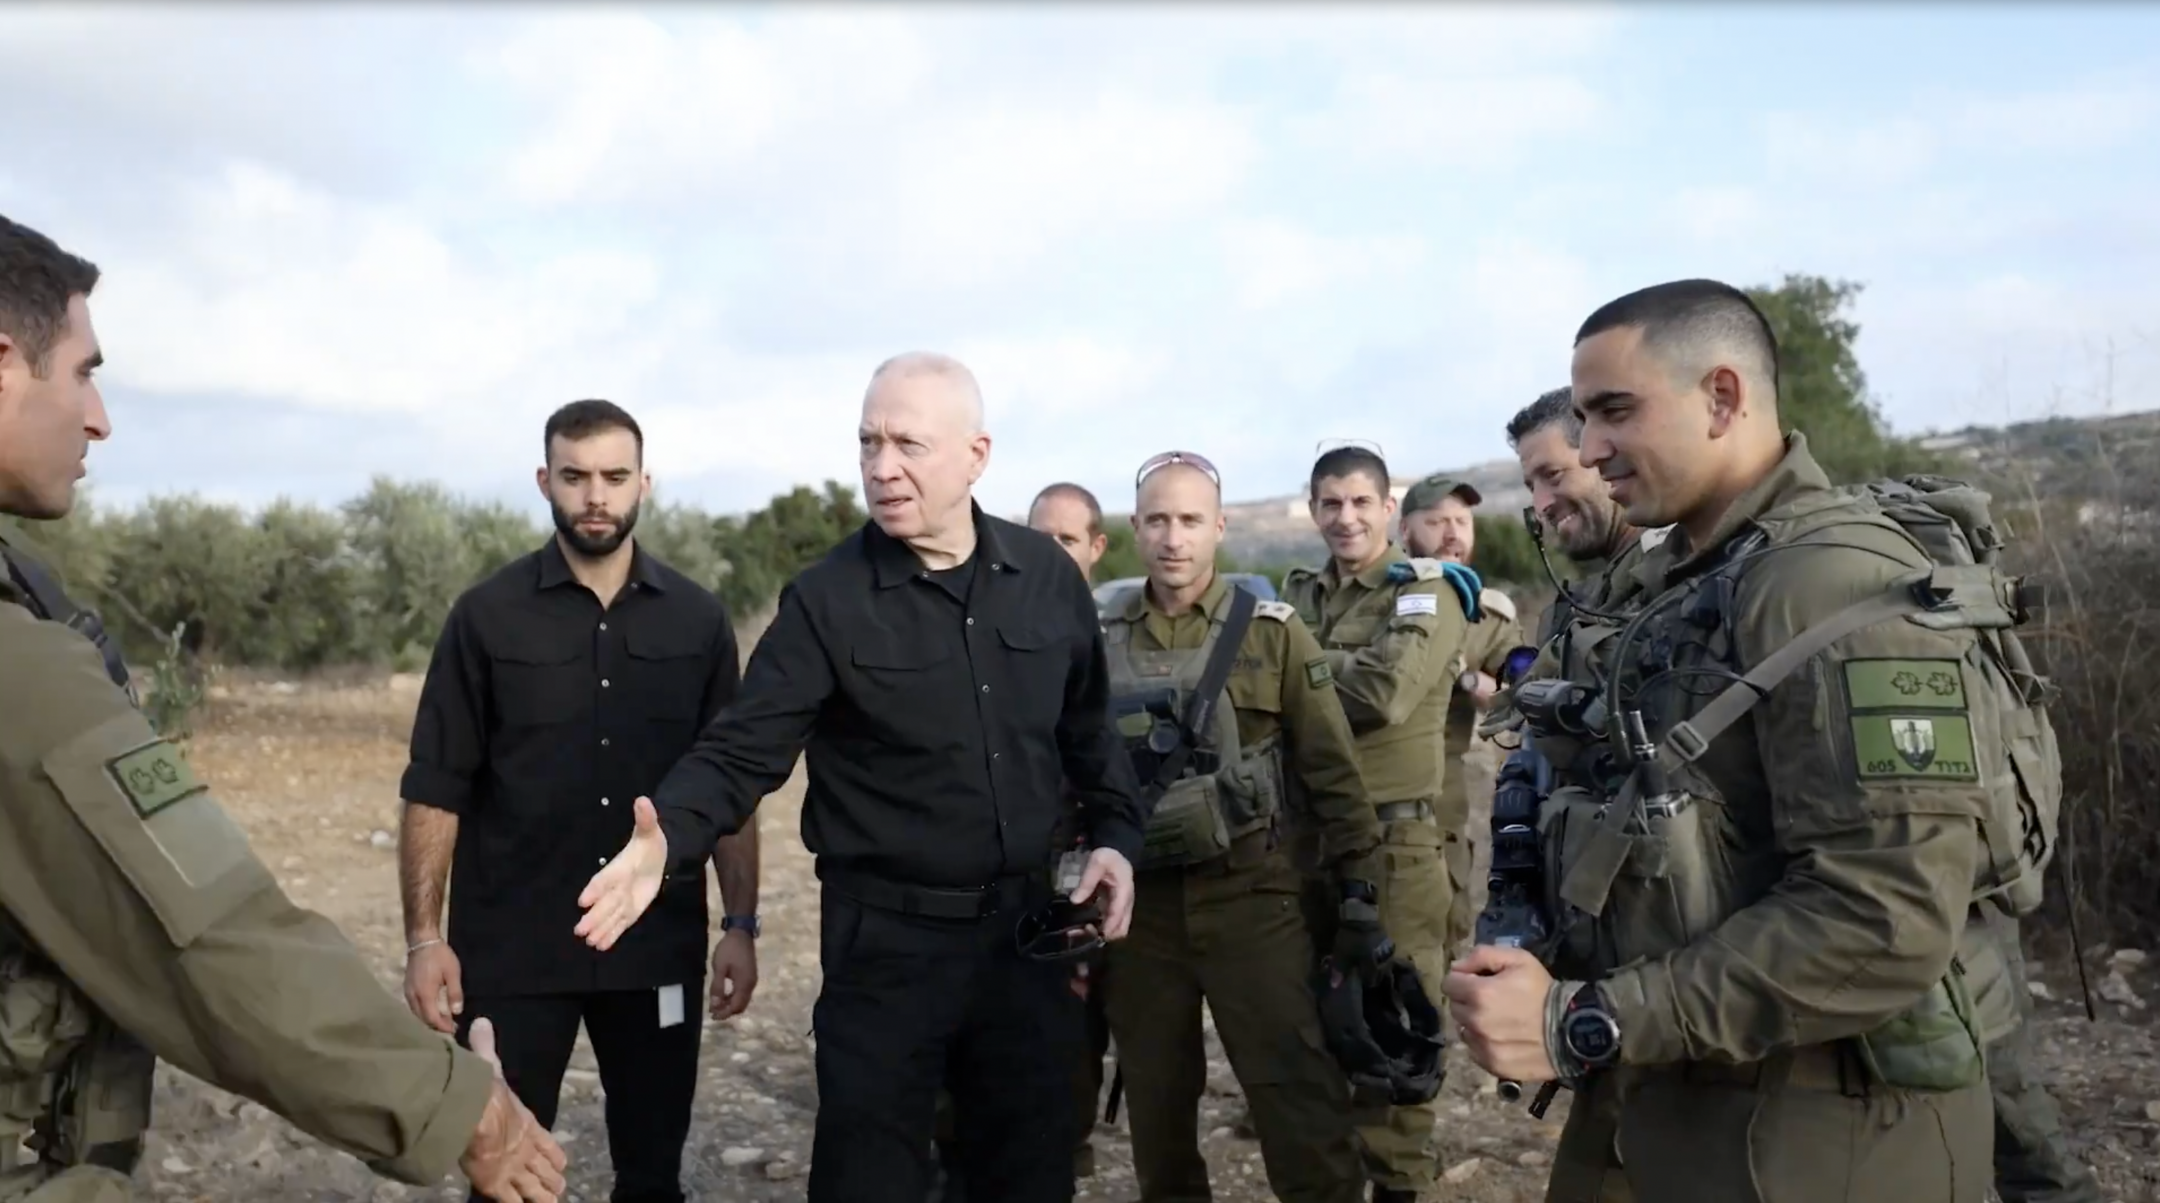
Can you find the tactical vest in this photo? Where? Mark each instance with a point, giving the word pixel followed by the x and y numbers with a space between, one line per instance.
pixel 1631 876
pixel 74 1089
pixel 1226 789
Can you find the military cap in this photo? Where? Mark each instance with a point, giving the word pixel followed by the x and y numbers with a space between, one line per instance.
pixel 1427 493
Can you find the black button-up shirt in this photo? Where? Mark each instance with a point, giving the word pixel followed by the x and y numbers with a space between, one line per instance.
pixel 940 713
pixel 543 718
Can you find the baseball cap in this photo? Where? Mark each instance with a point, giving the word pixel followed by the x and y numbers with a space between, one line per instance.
pixel 1427 493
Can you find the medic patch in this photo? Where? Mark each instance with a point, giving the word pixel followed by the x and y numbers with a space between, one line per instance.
pixel 153 777
pixel 1909 720
pixel 1317 673
pixel 1417 603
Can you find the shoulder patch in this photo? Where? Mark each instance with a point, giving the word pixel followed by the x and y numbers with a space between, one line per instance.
pixel 1498 602
pixel 1909 721
pixel 1416 603
pixel 162 828
pixel 153 776
pixel 1317 672
pixel 1280 611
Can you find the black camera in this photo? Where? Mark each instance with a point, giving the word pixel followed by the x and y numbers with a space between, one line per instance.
pixel 1152 727
pixel 1556 706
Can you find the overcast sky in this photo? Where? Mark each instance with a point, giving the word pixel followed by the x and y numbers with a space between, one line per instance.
pixel 344 241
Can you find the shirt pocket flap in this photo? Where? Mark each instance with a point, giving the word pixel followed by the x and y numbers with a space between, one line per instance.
pixel 1028 636
pixel 885 650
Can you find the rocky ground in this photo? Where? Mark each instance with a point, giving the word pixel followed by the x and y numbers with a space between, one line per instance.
pixel 312 774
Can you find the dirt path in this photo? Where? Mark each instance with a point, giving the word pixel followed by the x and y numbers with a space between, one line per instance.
pixel 312 775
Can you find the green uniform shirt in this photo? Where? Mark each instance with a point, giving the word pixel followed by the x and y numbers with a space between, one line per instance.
pixel 125 873
pixel 1280 681
pixel 1392 634
pixel 1850 881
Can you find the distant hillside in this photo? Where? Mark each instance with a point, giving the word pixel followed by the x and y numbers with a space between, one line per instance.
pixel 2064 457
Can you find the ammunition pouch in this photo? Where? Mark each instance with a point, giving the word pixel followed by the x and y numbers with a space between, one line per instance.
pixel 1199 818
pixel 1626 883
pixel 73 1087
pixel 1932 1047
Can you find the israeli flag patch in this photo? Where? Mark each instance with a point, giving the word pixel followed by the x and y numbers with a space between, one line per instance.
pixel 1416 603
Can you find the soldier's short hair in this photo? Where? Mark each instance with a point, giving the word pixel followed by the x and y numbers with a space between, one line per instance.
pixel 37 280
pixel 1345 461
pixel 584 419
pixel 1079 493
pixel 1686 322
pixel 1556 406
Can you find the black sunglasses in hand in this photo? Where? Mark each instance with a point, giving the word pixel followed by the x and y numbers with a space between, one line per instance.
pixel 1060 930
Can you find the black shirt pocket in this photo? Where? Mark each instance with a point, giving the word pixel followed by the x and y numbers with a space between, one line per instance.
pixel 668 673
pixel 541 682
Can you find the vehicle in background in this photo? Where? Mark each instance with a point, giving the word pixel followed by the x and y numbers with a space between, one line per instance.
pixel 1111 594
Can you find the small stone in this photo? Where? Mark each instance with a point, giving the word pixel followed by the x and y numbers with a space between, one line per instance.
pixel 740 1156
pixel 739 1058
pixel 783 1168
pixel 1531 1158
pixel 1221 1133
pixel 2038 989
pixel 381 840
pixel 2128 958
pixel 173 1165
pixel 2152 1111
pixel 1463 1171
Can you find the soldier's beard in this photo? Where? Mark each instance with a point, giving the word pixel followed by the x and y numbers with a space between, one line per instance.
pixel 1591 535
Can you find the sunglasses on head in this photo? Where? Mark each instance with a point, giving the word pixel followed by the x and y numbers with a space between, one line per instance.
pixel 1167 458
pixel 1326 445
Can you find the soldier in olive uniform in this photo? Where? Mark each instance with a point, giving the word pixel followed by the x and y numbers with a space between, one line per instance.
pixel 1771 942
pixel 1392 629
pixel 1218 913
pixel 1437 524
pixel 135 922
pixel 1578 512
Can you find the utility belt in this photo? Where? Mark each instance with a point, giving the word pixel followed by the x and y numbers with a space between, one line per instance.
pixel 1010 893
pixel 1418 811
pixel 1835 1066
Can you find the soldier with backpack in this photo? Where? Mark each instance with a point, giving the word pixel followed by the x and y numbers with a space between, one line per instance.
pixel 1793 786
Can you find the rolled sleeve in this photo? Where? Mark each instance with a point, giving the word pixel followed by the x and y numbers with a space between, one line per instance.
pixel 449 742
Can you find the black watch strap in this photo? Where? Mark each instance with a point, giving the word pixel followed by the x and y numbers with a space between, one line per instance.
pixel 747 923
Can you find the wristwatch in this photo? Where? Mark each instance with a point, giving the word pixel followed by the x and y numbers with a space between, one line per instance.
pixel 1589 1031
pixel 748 923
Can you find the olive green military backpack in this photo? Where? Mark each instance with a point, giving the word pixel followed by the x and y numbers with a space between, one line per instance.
pixel 1951 522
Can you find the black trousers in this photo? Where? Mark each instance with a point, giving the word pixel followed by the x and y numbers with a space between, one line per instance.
pixel 648 1072
pixel 911 1002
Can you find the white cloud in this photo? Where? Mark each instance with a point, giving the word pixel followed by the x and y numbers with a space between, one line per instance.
pixel 281 291
pixel 1236 231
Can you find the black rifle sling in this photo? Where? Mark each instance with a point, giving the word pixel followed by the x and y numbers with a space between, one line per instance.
pixel 1200 707
pixel 51 602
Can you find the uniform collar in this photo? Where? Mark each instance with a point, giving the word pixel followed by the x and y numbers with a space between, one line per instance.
pixel 555 567
pixel 1795 477
pixel 1375 576
pixel 1142 603
pixel 892 561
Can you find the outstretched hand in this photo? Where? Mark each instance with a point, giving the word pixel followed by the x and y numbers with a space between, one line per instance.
pixel 1108 870
pixel 510 1158
pixel 619 893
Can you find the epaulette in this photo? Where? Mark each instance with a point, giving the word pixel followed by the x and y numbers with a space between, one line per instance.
pixel 1498 602
pixel 1280 611
pixel 1416 568
pixel 1298 574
